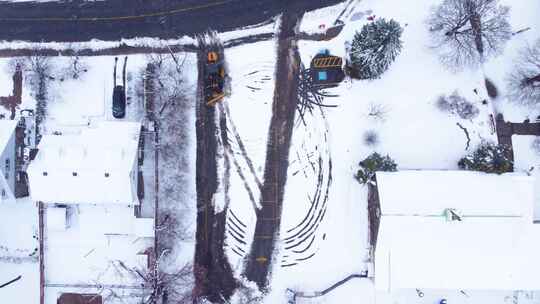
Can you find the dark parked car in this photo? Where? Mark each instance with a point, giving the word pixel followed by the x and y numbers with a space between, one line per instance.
pixel 119 102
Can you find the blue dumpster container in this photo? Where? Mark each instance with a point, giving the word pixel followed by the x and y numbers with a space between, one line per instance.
pixel 323 76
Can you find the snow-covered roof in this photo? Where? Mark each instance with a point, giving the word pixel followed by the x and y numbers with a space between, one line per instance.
pixel 56 219
pixel 527 158
pixel 7 127
pixel 98 237
pixel 493 247
pixel 93 166
pixel 472 193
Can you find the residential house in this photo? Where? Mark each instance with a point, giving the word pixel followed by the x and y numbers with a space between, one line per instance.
pixel 7 159
pixel 455 230
pixel 97 165
pixel 87 182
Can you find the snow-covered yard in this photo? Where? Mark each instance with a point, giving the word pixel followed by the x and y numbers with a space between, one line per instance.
pixel 252 87
pixel 324 224
pixel 101 247
pixel 523 15
pixel 86 253
pixel 19 251
pixel 76 102
pixel 412 129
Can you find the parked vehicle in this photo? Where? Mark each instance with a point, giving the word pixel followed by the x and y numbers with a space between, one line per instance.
pixel 119 93
pixel 214 78
pixel 119 102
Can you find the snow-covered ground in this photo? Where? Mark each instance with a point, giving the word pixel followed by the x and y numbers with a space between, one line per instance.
pixel 177 159
pixel 7 69
pixel 18 251
pixel 319 20
pixel 527 159
pixel 252 87
pixel 76 102
pixel 143 42
pixel 523 14
pixel 87 253
pixel 101 245
pixel 412 130
pixel 323 241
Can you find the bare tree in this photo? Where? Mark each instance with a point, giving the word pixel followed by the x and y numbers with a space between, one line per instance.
pixel 38 71
pixel 247 295
pixel 524 81
pixel 170 81
pixel 168 287
pixel 466 32
pixel 377 111
pixel 172 283
pixel 535 145
pixel 74 68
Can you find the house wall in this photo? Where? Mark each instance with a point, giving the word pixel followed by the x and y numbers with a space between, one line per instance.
pixel 7 168
pixel 134 174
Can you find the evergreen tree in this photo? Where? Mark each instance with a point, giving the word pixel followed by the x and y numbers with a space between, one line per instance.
pixel 373 163
pixel 374 48
pixel 489 158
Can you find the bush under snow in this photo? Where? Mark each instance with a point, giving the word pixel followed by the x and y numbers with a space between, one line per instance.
pixel 489 158
pixel 373 163
pixel 457 105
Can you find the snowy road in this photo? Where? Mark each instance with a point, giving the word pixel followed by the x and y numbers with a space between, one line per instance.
pixel 116 19
pixel 216 280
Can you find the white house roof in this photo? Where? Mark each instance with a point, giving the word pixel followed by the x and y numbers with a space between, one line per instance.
pixel 493 247
pixel 7 127
pixel 472 193
pixel 93 166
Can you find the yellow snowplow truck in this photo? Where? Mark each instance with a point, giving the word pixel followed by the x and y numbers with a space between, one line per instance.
pixel 214 78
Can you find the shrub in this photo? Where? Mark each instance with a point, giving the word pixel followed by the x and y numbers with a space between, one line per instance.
pixel 371 138
pixel 457 105
pixel 377 112
pixel 373 163
pixel 489 158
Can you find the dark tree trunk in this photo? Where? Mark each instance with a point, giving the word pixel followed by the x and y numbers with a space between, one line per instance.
pixel 532 80
pixel 277 153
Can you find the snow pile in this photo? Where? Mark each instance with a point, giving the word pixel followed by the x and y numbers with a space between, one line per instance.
pixel 96 44
pixel 319 20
